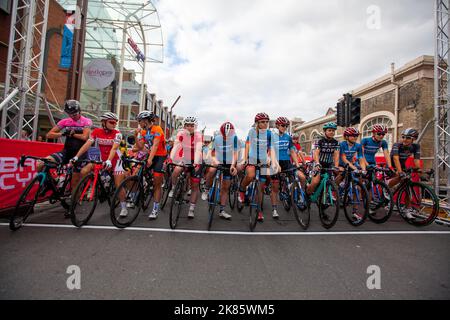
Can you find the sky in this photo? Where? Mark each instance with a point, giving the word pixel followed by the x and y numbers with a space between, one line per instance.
pixel 229 60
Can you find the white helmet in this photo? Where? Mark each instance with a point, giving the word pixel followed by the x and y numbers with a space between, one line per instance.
pixel 190 120
pixel 109 116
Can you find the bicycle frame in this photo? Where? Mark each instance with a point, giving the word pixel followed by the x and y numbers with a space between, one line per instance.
pixel 315 196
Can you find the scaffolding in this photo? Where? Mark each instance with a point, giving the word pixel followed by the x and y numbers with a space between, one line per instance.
pixel 20 107
pixel 442 101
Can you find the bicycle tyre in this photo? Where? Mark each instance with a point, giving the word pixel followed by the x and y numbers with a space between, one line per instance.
pixel 115 202
pixel 303 217
pixel 386 202
pixel 212 206
pixel 75 216
pixel 176 205
pixel 253 209
pixel 17 214
pixel 365 204
pixel 325 220
pixel 435 207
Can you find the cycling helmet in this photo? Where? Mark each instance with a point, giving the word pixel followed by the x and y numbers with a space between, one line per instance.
pixel 261 116
pixel 109 116
pixel 226 128
pixel 145 115
pixel 410 132
pixel 351 132
pixel 72 107
pixel 190 120
pixel 282 121
pixel 379 128
pixel 295 136
pixel 330 125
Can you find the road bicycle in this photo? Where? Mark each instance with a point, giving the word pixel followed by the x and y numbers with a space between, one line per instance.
pixel 52 184
pixel 179 194
pixel 326 197
pixel 136 191
pixel 97 186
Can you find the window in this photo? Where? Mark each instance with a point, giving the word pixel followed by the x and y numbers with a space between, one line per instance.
pixel 303 142
pixel 367 128
pixel 5 5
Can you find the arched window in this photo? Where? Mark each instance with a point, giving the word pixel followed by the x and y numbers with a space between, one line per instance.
pixel 303 142
pixel 367 128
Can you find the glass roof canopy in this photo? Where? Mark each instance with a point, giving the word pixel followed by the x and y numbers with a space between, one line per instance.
pixel 109 25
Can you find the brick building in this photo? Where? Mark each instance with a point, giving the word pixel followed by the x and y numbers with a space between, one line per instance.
pixel 401 99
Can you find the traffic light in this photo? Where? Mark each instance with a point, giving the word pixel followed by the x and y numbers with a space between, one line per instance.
pixel 355 111
pixel 340 114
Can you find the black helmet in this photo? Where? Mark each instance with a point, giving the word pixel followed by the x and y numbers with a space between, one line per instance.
pixel 72 107
pixel 410 132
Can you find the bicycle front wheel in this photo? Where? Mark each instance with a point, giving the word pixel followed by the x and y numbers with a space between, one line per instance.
pixel 126 202
pixel 176 205
pixel 328 203
pixel 233 193
pixel 300 206
pixel 355 203
pixel 25 204
pixel 380 201
pixel 212 198
pixel 84 201
pixel 253 207
pixel 167 186
pixel 418 204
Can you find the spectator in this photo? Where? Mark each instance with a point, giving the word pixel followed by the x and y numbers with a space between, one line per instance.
pixel 24 135
pixel 40 138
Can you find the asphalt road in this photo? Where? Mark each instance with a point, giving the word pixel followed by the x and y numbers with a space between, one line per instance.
pixel 151 262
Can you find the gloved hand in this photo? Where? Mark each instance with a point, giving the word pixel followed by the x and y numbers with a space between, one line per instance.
pixel 108 164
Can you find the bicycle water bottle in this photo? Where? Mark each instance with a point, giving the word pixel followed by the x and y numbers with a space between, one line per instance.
pixel 61 182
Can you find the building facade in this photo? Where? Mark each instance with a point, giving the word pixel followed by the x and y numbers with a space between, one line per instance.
pixel 399 100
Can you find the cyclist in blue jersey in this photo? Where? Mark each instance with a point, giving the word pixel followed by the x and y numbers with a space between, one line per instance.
pixel 258 150
pixel 285 151
pixel 351 153
pixel 325 155
pixel 371 145
pixel 225 149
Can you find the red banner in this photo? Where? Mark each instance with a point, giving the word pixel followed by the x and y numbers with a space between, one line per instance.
pixel 13 178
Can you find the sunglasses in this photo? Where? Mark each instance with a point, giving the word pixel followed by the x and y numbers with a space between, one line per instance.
pixel 112 122
pixel 263 122
pixel 381 134
pixel 73 114
pixel 283 125
pixel 190 125
pixel 406 137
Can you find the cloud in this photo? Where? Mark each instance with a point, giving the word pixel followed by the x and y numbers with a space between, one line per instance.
pixel 231 59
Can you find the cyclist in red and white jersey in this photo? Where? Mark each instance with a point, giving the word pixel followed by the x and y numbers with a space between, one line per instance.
pixel 103 145
pixel 187 149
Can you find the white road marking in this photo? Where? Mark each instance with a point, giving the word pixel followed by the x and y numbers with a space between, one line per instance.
pixel 305 233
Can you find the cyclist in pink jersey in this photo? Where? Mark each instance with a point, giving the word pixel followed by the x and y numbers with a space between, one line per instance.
pixel 76 129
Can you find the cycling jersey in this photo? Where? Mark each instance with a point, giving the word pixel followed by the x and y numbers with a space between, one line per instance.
pixel 283 145
pixel 105 141
pixel 224 148
pixel 404 152
pixel 298 147
pixel 350 152
pixel 259 145
pixel 72 145
pixel 148 136
pixel 188 145
pixel 371 147
pixel 327 148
